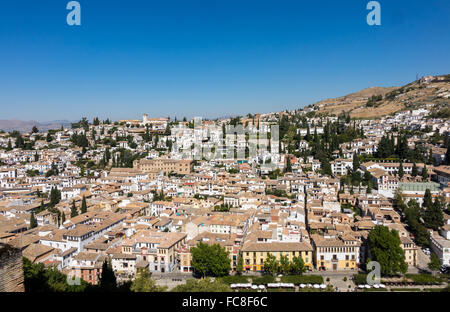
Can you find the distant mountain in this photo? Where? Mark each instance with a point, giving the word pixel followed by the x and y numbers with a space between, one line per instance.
pixel 376 102
pixel 26 126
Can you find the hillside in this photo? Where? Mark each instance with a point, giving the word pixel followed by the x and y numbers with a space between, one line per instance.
pixel 378 101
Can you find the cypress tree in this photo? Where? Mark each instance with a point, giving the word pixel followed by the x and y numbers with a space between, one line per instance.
pixel 73 210
pixel 108 278
pixel 400 170
pixel 434 218
pixel 83 205
pixel 356 163
pixel 447 156
pixel 33 222
pixel 424 173
pixel 288 164
pixel 414 171
pixel 427 200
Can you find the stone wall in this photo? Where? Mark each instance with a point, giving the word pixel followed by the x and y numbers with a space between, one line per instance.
pixel 11 270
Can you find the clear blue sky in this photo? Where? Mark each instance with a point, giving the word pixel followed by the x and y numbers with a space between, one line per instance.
pixel 208 57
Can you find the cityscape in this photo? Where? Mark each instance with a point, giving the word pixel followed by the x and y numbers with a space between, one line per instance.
pixel 301 200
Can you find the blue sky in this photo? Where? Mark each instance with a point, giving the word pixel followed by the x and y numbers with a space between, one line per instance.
pixel 208 58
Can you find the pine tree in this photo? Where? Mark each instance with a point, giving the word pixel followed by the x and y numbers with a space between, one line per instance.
pixel 83 205
pixel 73 210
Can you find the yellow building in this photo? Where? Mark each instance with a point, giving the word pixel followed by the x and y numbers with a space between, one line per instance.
pixel 155 166
pixel 254 254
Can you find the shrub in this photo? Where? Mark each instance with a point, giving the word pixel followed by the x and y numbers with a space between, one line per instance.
pixel 360 279
pixel 263 280
pixel 426 279
pixel 302 279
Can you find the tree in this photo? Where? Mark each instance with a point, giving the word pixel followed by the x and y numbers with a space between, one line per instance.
pixel 427 200
pixel 284 264
pixel 424 173
pixel 49 137
pixel 271 265
pixel 34 129
pixel 210 260
pixel 385 248
pixel 83 205
pixel 401 172
pixel 55 197
pixel 240 265
pixel 288 164
pixel 414 171
pixel 33 222
pixel 356 163
pixel 144 283
pixel 297 265
pixel 434 264
pixel 108 278
pixel 447 156
pixel 9 147
pixel 38 278
pixel 202 285
pixel 434 218
pixel 73 210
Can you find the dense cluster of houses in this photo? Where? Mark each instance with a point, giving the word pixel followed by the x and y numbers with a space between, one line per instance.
pixel 151 215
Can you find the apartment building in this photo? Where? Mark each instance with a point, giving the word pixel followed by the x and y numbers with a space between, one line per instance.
pixel 159 249
pixel 157 165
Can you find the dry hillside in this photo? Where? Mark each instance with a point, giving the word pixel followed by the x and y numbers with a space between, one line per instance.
pixel 428 90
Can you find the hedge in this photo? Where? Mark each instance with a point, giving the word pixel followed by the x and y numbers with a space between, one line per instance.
pixel 426 279
pixel 234 279
pixel 360 279
pixel 405 289
pixel 263 280
pixel 302 279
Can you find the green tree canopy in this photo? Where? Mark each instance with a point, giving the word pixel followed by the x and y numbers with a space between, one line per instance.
pixel 210 260
pixel 83 205
pixel 144 283
pixel 73 210
pixel 385 248
pixel 271 265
